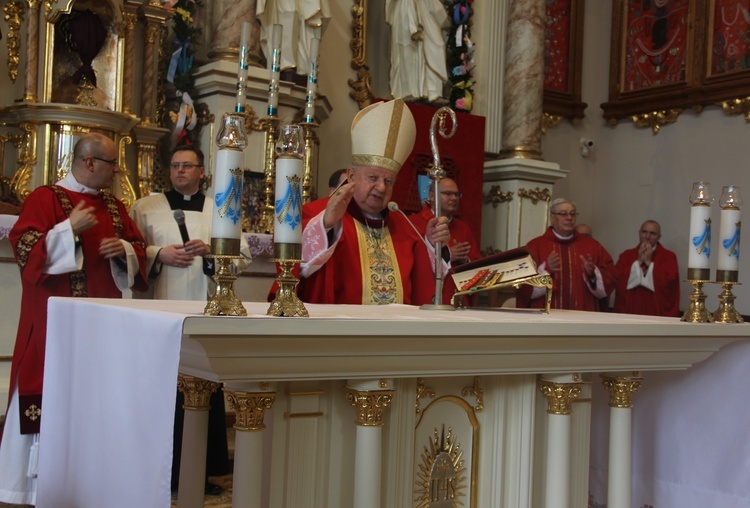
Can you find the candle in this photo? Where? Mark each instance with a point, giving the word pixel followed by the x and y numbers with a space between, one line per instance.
pixel 273 88
pixel 287 226
pixel 242 68
pixel 729 235
pixel 288 205
pixel 226 219
pixel 312 81
pixel 227 214
pixel 699 253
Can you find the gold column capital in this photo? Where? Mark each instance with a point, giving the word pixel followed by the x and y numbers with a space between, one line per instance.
pixel 197 392
pixel 560 396
pixel 621 389
pixel 250 408
pixel 370 405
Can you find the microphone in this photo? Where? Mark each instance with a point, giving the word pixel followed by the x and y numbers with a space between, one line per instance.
pixel 393 207
pixel 179 217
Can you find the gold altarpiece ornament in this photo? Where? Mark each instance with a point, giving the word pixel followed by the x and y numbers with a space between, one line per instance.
pixel 60 97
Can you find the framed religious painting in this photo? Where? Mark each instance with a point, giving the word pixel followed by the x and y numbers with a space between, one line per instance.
pixel 563 54
pixel 655 56
pixel 727 53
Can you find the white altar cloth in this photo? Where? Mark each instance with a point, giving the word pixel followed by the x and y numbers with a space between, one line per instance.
pixel 109 390
pixel 111 369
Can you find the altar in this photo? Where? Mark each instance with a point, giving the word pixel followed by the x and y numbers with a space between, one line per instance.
pixel 355 406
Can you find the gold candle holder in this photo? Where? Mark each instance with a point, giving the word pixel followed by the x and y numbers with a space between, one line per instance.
pixel 696 311
pixel 287 303
pixel 224 302
pixel 270 125
pixel 726 313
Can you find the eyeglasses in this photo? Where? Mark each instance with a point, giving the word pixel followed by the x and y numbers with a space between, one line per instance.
pixel 187 166
pixel 565 214
pixel 451 194
pixel 112 162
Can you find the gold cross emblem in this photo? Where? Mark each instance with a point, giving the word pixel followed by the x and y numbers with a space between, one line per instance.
pixel 33 412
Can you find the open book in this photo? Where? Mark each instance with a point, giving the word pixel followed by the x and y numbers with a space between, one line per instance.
pixel 510 268
pixel 495 269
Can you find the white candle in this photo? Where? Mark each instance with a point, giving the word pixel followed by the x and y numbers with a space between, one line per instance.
pixel 227 214
pixel 287 224
pixel 242 68
pixel 729 239
pixel 273 87
pixel 699 254
pixel 312 81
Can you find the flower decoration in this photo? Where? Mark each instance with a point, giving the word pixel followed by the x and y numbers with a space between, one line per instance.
pixel 180 71
pixel 460 54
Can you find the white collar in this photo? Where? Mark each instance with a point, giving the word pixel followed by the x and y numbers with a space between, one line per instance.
pixel 70 183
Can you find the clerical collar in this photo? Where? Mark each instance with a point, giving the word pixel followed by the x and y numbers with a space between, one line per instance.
pixel 179 201
pixel 70 183
pixel 371 220
pixel 561 237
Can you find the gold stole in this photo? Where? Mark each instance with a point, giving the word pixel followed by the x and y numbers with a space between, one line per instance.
pixel 381 278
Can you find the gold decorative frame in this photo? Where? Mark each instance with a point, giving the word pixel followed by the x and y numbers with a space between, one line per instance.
pixel 361 90
pixel 567 103
pixel 657 105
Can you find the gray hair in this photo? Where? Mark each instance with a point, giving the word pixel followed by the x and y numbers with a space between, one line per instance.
pixel 560 201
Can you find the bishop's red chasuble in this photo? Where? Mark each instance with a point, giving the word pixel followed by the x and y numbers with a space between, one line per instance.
pixel 376 261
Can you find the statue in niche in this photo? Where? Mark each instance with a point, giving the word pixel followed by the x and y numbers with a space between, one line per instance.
pixel 83 43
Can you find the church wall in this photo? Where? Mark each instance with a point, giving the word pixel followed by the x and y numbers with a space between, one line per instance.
pixel 633 175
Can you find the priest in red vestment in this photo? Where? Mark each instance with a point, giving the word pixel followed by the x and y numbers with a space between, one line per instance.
pixel 70 240
pixel 648 280
pixel 463 246
pixel 582 270
pixel 356 251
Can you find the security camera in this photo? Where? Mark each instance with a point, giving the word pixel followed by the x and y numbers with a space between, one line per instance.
pixel 586 146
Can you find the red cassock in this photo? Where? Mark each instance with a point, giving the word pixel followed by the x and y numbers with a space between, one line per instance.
pixel 342 278
pixel 570 290
pixel 42 210
pixel 664 301
pixel 460 232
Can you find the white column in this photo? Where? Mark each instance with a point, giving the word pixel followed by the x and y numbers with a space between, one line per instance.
pixel 621 388
pixel 250 408
pixel 560 391
pixel 194 435
pixel 369 398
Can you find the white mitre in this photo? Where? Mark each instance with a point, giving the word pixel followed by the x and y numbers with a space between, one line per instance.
pixel 383 135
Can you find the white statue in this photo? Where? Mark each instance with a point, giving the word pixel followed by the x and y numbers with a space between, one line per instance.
pixel 302 20
pixel 417 48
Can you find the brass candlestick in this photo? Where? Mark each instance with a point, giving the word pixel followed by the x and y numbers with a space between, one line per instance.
pixel 287 303
pixel 224 302
pixel 310 160
pixel 726 313
pixel 696 311
pixel 270 125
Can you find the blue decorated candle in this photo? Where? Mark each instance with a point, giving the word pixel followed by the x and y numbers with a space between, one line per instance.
pixel 227 215
pixel 312 81
pixel 699 254
pixel 287 226
pixel 728 252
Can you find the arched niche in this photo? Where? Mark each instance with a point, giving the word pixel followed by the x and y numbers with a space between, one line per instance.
pixel 79 32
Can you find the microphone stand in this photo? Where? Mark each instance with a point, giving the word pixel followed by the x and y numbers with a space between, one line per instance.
pixel 437 173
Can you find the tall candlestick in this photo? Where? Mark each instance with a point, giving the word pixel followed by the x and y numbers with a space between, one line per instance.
pixel 273 88
pixel 729 235
pixel 699 253
pixel 312 81
pixel 242 68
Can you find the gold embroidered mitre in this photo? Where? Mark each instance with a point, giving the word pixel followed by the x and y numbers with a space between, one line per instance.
pixel 383 135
